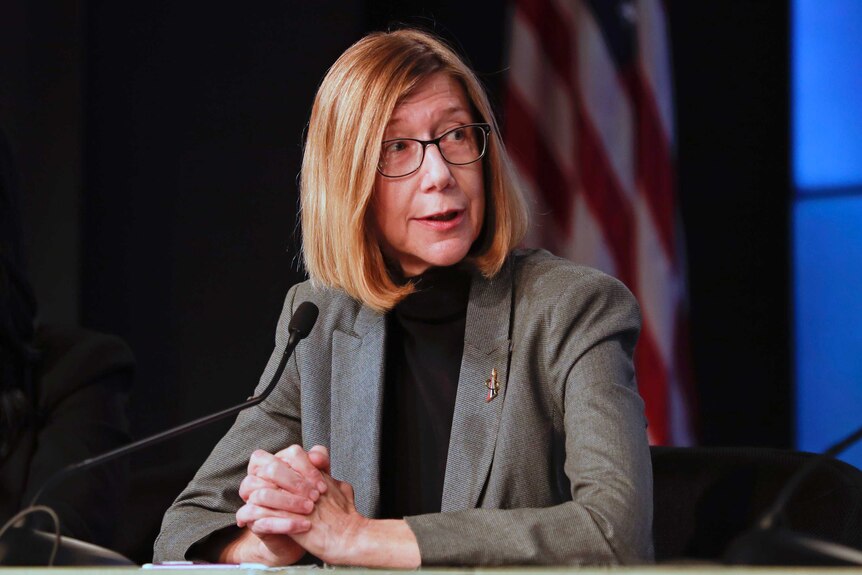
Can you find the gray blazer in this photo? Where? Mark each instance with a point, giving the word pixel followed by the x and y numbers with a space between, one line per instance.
pixel 554 470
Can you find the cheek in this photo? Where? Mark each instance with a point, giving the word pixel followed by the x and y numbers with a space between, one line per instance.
pixel 379 203
pixel 386 212
pixel 374 216
pixel 477 205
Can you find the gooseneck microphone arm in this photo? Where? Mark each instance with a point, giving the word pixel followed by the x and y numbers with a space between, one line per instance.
pixel 770 518
pixel 299 327
pixel 770 542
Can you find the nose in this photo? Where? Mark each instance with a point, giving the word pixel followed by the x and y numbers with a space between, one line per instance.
pixel 436 170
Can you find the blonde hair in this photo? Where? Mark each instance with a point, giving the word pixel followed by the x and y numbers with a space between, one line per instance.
pixel 351 110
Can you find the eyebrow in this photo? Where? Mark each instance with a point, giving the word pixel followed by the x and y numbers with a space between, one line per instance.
pixel 450 111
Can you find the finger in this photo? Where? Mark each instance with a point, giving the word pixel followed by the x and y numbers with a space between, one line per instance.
pixel 284 476
pixel 251 483
pixel 258 459
pixel 298 459
pixel 281 526
pixel 281 500
pixel 260 519
pixel 319 456
pixel 251 513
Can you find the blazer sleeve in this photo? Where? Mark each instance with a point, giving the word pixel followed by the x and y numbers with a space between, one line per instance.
pixel 590 335
pixel 209 503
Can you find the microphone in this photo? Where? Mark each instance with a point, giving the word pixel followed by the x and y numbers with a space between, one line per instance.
pixel 769 543
pixel 301 323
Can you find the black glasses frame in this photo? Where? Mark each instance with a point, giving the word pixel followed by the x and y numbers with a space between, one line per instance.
pixel 486 129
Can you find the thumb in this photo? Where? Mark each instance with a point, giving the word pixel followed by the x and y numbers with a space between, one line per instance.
pixel 319 457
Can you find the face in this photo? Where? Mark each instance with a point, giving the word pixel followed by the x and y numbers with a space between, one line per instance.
pixel 430 217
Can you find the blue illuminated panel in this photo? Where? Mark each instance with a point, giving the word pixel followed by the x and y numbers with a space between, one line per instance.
pixel 827 168
pixel 827 87
pixel 828 274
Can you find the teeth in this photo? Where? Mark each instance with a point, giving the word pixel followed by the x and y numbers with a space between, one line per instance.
pixel 443 217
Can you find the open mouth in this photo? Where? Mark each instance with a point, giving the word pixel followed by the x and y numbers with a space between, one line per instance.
pixel 444 217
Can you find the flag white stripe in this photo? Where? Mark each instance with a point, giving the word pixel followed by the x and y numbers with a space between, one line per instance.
pixel 588 245
pixel 544 94
pixel 656 283
pixel 606 102
pixel 654 61
pixel 540 219
pixel 680 426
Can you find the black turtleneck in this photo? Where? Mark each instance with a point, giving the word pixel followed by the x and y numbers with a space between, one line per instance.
pixel 424 345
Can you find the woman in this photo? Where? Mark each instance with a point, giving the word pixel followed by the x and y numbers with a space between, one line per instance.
pixel 458 402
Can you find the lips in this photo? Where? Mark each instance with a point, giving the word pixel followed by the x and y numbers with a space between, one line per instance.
pixel 443 220
pixel 443 217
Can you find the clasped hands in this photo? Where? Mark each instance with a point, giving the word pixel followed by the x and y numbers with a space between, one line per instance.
pixel 293 505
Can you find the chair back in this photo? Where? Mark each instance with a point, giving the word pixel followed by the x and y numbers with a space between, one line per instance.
pixel 706 496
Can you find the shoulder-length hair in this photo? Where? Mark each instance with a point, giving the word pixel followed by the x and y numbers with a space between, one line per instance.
pixel 353 105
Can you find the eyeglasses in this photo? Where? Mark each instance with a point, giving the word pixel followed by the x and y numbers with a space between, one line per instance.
pixel 459 146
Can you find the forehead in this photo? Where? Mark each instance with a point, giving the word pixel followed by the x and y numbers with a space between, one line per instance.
pixel 438 94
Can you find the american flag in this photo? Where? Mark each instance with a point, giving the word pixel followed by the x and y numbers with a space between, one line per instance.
pixel 590 126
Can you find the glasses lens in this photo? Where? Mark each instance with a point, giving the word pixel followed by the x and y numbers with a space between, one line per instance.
pixel 400 157
pixel 459 146
pixel 463 145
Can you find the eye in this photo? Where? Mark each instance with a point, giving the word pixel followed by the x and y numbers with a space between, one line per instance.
pixel 457 135
pixel 394 147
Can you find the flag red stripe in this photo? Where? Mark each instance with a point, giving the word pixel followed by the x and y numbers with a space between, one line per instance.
pixel 655 169
pixel 604 195
pixel 652 385
pixel 550 31
pixel 533 157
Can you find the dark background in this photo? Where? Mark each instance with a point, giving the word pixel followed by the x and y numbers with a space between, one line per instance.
pixel 159 145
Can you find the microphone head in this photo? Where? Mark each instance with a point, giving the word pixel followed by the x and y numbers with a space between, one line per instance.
pixel 303 319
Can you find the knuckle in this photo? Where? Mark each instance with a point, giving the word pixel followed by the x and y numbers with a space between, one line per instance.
pixel 257 497
pixel 298 485
pixel 271 469
pixel 258 458
pixel 294 451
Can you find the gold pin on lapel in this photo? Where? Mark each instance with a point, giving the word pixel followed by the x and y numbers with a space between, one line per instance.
pixel 493 386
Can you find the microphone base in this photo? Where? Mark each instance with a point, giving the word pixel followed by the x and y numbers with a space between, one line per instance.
pixel 30 547
pixel 782 547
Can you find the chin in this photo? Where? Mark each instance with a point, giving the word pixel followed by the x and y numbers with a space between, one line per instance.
pixel 445 263
pixel 419 260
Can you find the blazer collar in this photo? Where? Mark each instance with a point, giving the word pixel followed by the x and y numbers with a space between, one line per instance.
pixel 476 419
pixel 356 399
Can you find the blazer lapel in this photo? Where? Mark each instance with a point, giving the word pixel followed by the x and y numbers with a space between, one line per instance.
pixel 357 403
pixel 476 421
